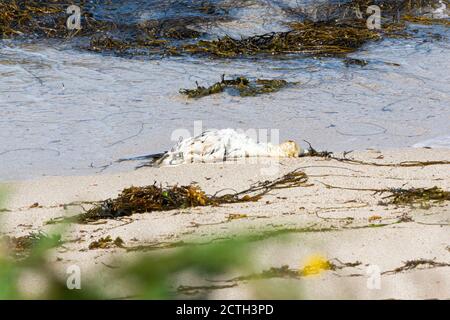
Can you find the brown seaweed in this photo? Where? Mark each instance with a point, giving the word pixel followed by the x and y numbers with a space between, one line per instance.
pixel 157 198
pixel 426 20
pixel 245 87
pixel 318 38
pixel 402 196
pixel 106 243
pixel 414 264
pixel 44 19
pixel 339 32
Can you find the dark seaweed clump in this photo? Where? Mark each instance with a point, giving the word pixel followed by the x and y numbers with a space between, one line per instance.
pixel 336 31
pixel 426 20
pixel 417 196
pixel 106 243
pixel 45 19
pixel 319 38
pixel 157 198
pixel 244 87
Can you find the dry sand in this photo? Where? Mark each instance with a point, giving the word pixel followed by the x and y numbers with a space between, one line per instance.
pixel 408 233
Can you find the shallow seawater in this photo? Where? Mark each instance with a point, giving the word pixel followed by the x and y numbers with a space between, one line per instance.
pixel 64 111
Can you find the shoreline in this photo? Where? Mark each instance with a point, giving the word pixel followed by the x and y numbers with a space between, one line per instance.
pixel 341 223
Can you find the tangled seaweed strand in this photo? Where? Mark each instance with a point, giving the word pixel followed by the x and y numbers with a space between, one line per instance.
pixel 400 164
pixel 337 33
pixel 244 86
pixel 157 198
pixel 318 38
pixel 44 19
pixel 417 195
pixel 329 155
pixel 414 264
pixel 426 20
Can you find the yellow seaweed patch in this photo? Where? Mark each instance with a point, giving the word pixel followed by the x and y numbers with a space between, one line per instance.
pixel 314 265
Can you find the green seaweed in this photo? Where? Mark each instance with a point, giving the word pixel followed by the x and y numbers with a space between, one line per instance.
pixel 244 87
pixel 317 38
pixel 338 33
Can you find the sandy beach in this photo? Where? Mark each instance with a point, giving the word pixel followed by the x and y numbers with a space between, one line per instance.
pixel 338 215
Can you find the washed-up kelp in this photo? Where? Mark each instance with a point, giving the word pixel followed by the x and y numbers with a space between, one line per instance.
pixel 420 263
pixel 329 29
pixel 157 198
pixel 338 32
pixel 47 19
pixel 329 155
pixel 357 62
pixel 402 196
pixel 426 20
pixel 319 38
pixel 44 19
pixel 131 48
pixel 18 17
pixel 244 87
pixel 172 28
pixel 106 243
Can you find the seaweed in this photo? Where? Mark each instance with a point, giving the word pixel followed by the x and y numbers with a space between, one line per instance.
pixel 106 243
pixel 18 17
pixel 177 29
pixel 285 272
pixel 44 19
pixel 236 216
pixel 413 264
pixel 157 198
pixel 194 290
pixel 245 87
pixel 106 43
pixel 339 32
pixel 311 152
pixel 354 61
pixel 426 20
pixel 402 196
pixel 317 38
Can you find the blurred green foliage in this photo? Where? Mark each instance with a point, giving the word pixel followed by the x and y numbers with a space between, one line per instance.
pixel 150 275
pixel 28 270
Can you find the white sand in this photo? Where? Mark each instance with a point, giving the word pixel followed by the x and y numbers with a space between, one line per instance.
pixel 388 247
